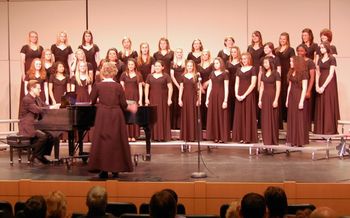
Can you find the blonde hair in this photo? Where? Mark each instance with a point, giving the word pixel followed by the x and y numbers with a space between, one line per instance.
pixel 232 211
pixel 78 73
pixel 58 37
pixel 209 59
pixel 176 59
pixel 249 57
pixel 123 40
pixel 36 33
pixel 43 60
pixel 239 55
pixel 108 70
pixel 82 51
pixel 194 72
pixel 56 205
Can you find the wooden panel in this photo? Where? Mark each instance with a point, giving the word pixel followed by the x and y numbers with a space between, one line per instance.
pixel 272 17
pixel 47 18
pixel 340 26
pixel 4 93
pixel 15 87
pixel 207 198
pixel 71 188
pixel 4 31
pixel 207 20
pixel 343 78
pixel 111 20
pixel 235 190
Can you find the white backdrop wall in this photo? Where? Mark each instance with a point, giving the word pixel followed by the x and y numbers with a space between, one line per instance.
pixel 179 20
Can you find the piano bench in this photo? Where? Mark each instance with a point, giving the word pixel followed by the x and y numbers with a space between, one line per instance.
pixel 19 142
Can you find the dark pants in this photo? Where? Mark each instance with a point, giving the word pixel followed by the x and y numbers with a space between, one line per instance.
pixel 43 142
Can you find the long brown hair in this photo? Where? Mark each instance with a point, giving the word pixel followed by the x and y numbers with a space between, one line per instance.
pixel 271 46
pixel 55 68
pixel 299 67
pixel 311 35
pixel 139 58
pixel 167 43
pixel 327 46
pixel 31 71
pixel 200 42
pixel 288 41
pixel 272 66
pixel 258 34
pixel 83 42
pixel 222 63
pixel 138 74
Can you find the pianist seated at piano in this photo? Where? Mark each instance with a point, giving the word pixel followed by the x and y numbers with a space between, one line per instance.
pixel 31 108
pixel 110 150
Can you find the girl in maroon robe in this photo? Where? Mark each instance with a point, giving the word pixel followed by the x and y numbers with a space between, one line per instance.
pixel 189 101
pixel 28 52
pixel 158 92
pixel 327 103
pixel 244 123
pixel 196 51
pixel 164 54
pixel 268 102
pixel 131 81
pixel 216 102
pixel 127 51
pixel 297 120
pixel 58 83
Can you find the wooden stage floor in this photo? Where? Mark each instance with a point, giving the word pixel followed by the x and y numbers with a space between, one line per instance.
pixel 225 163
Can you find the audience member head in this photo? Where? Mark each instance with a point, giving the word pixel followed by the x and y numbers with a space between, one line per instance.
pixel 35 206
pixel 276 202
pixel 96 200
pixel 162 205
pixel 253 206
pixel 303 213
pixel 173 193
pixel 56 205
pixel 233 210
pixel 323 212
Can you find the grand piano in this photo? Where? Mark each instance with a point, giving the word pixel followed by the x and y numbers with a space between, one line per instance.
pixel 81 117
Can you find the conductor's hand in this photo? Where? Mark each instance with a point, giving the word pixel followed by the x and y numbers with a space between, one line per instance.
pixel 132 108
pixel 55 106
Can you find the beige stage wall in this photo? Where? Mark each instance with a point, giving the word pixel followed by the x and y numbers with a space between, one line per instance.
pixel 179 20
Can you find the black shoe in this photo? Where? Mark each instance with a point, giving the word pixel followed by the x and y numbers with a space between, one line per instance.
pixel 43 160
pixel 103 175
pixel 115 175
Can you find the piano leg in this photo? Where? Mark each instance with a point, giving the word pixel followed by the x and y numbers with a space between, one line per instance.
pixel 147 130
pixel 71 143
pixel 80 141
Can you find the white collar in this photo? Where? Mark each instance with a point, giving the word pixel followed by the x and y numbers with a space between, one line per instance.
pixel 108 80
